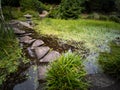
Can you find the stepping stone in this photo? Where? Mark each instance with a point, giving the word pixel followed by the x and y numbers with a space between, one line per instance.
pixel 37 43
pixel 31 83
pixel 26 39
pixel 50 57
pixel 18 31
pixel 41 51
pixel 100 80
pixel 41 72
pixel 24 26
pixel 30 52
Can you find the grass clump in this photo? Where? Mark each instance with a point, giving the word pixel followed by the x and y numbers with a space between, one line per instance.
pixel 110 62
pixel 66 73
pixel 10 52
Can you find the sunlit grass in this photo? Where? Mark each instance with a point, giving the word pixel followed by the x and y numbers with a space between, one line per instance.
pixel 93 32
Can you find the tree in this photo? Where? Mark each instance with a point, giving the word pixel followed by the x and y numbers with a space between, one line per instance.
pixel 117 3
pixel 2 21
pixel 70 9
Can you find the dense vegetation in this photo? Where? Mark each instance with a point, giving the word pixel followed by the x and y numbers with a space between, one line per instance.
pixel 92 32
pixel 66 73
pixel 10 52
pixel 110 61
pixel 94 22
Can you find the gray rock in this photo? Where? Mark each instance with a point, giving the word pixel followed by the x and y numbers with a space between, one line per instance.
pixel 24 26
pixel 41 72
pixel 30 52
pixel 41 51
pixel 51 56
pixel 100 80
pixel 26 39
pixel 37 43
pixel 18 31
pixel 32 81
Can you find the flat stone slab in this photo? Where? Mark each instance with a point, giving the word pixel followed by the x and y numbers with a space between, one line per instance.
pixel 18 31
pixel 37 43
pixel 26 39
pixel 41 72
pixel 50 57
pixel 41 51
pixel 100 80
pixel 31 82
pixel 30 52
pixel 24 25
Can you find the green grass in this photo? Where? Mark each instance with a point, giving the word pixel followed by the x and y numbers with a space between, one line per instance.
pixel 93 32
pixel 66 73
pixel 10 53
pixel 110 62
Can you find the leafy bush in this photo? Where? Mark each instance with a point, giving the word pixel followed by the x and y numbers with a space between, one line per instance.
pixel 30 4
pixel 103 17
pixel 53 13
pixel 110 62
pixel 11 13
pixel 114 18
pixel 70 9
pixel 66 73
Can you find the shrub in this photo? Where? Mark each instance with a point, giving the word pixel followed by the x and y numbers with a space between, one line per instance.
pixel 110 62
pixel 70 9
pixel 11 13
pixel 114 18
pixel 66 73
pixel 30 4
pixel 53 13
pixel 103 17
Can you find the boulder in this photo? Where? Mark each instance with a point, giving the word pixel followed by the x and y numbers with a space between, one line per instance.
pixel 24 26
pixel 30 52
pixel 37 43
pixel 18 31
pixel 41 51
pixel 41 72
pixel 26 39
pixel 50 57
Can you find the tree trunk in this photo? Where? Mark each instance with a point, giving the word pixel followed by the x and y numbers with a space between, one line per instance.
pixel 2 20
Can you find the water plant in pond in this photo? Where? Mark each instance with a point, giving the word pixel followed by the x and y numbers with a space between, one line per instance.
pixel 66 73
pixel 110 62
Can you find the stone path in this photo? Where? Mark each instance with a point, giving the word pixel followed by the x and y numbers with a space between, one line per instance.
pixel 36 49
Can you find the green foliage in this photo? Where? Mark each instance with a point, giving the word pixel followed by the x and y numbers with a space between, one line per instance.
pixel 66 73
pixel 30 4
pixel 12 12
pixel 110 62
pixel 103 6
pixel 53 13
pixel 117 2
pixel 114 18
pixel 92 32
pixel 10 52
pixel 70 9
pixel 103 17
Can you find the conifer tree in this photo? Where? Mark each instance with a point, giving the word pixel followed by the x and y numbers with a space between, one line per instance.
pixel 70 9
